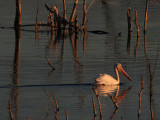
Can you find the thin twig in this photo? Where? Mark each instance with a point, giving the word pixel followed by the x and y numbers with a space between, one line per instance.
pixel 90 5
pixel 10 110
pixel 49 63
pixel 50 100
pixel 140 93
pixel 56 102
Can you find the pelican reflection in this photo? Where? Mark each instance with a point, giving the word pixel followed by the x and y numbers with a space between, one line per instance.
pixel 104 90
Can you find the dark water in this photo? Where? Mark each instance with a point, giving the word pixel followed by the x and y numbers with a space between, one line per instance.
pixel 25 74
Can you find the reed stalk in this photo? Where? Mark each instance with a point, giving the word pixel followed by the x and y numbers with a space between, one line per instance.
pixel 17 21
pixel 10 110
pixel 99 103
pixel 129 30
pixel 73 13
pixel 57 18
pixel 51 100
pixel 64 13
pixel 129 20
pixel 36 29
pixel 140 93
pixel 76 24
pixel 137 26
pixel 151 93
pixel 56 102
pixel 66 114
pixel 138 30
pixel 145 45
pixel 84 15
pixel 146 17
pixel 94 109
pixel 54 109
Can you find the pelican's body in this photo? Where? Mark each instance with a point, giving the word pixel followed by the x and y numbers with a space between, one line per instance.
pixel 105 79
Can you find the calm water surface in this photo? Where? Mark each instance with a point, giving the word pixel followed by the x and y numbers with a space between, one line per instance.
pixel 25 74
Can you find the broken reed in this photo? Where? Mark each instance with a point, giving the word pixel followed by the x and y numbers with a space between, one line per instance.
pixel 129 20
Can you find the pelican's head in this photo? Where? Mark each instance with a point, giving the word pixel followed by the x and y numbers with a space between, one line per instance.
pixel 118 66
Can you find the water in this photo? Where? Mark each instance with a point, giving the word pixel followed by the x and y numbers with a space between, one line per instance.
pixel 25 74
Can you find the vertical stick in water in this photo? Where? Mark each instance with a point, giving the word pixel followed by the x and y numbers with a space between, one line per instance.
pixel 84 15
pixel 64 9
pixel 140 93
pixel 17 21
pixel 73 12
pixel 129 20
pixel 151 93
pixel 146 17
pixel 36 29
pixel 66 115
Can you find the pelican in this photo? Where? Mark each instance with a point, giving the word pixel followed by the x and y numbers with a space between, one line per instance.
pixel 105 79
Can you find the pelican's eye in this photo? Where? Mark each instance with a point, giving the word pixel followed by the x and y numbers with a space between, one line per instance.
pixel 119 66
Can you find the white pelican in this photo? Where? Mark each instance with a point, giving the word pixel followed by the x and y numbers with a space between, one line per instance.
pixel 105 79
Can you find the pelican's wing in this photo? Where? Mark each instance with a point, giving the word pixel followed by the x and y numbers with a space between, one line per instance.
pixel 105 79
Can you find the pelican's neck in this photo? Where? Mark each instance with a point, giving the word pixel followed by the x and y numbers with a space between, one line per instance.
pixel 117 75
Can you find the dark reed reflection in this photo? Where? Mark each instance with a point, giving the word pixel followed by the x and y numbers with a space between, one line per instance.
pixel 129 42
pixel 136 47
pixel 13 102
pixel 15 77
